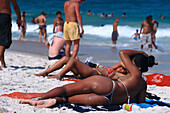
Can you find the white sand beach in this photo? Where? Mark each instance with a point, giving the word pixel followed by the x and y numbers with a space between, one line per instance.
pixel 18 77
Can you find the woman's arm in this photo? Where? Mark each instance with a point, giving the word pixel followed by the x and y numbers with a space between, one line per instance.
pixel 125 56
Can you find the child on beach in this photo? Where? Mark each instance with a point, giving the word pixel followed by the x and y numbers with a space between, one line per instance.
pixel 135 35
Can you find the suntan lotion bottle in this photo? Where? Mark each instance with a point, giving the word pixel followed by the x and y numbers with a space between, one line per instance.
pixel 130 107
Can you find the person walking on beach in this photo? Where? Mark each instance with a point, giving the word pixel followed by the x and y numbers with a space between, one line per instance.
pixel 5 26
pixel 41 21
pixel 71 28
pixel 147 28
pixel 154 30
pixel 23 27
pixel 115 33
pixel 58 21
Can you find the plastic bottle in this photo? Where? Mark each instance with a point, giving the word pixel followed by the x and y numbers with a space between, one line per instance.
pixel 130 107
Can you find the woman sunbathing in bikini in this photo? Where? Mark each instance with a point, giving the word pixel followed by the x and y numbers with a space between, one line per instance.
pixel 79 68
pixel 101 90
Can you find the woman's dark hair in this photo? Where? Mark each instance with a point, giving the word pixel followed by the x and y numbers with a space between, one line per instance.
pixel 144 62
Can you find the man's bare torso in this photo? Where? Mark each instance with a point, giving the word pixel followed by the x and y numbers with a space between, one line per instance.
pixel 115 26
pixel 41 20
pixel 147 27
pixel 56 47
pixel 70 11
pixel 59 22
pixel 5 6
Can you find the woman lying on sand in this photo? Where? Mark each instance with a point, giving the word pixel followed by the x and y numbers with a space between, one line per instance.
pixel 79 68
pixel 100 90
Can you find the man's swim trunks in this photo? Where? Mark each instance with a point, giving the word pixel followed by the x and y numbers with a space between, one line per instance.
pixel 114 36
pixel 43 26
pixel 5 30
pixel 146 39
pixel 61 54
pixel 71 31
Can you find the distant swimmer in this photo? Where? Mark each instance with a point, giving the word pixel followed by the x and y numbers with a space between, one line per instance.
pixel 41 21
pixel 162 17
pixel 89 12
pixel 135 36
pixel 124 15
pixel 23 26
pixel 115 33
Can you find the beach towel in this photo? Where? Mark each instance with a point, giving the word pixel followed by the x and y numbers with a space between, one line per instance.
pixel 158 79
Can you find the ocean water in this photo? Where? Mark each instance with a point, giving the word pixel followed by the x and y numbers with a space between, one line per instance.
pixel 98 29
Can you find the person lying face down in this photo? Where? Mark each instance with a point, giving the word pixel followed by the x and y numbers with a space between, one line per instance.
pixel 79 68
pixel 101 90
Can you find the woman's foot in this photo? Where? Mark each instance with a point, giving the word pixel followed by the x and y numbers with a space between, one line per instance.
pixel 40 104
pixel 55 76
pixel 41 74
pixel 30 102
pixel 46 103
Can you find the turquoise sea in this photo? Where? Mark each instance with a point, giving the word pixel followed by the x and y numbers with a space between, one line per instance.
pixel 98 35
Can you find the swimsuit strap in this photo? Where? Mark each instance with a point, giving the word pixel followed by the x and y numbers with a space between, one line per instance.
pixel 126 91
pixel 97 71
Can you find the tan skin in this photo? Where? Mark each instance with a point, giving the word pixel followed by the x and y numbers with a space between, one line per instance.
pixel 6 9
pixel 146 26
pixel 154 32
pixel 23 30
pixel 58 22
pixel 72 14
pixel 79 68
pixel 41 20
pixel 115 24
pixel 89 90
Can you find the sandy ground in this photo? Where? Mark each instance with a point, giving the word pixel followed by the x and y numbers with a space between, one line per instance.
pixel 18 77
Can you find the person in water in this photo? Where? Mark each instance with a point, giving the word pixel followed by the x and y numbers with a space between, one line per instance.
pixel 101 90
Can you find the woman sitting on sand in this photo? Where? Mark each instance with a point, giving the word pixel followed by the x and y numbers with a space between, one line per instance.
pixel 79 68
pixel 100 90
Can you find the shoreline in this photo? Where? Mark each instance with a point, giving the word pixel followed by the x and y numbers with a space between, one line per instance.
pixel 101 54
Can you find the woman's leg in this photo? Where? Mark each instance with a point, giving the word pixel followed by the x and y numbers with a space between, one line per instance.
pixel 89 100
pixel 77 67
pixel 86 92
pixel 59 64
pixel 95 84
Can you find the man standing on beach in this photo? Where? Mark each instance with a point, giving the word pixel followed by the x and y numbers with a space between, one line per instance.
pixel 115 33
pixel 154 30
pixel 146 33
pixel 41 21
pixel 5 26
pixel 71 28
pixel 23 27
pixel 58 21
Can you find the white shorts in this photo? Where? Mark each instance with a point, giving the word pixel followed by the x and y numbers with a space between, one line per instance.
pixel 146 39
